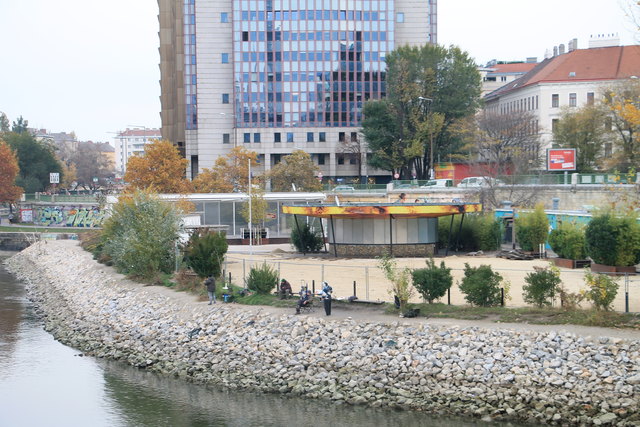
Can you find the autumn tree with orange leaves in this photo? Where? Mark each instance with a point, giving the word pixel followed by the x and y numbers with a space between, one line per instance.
pixel 623 100
pixel 9 192
pixel 160 169
pixel 229 174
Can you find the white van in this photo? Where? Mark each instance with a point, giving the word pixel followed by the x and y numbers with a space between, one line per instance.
pixel 480 181
pixel 438 183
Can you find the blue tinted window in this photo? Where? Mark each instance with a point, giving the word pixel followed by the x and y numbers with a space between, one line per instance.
pixel 224 17
pixel 225 58
pixel 289 136
pixel 247 137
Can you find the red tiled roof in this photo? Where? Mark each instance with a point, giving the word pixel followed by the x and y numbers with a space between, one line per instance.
pixel 605 63
pixel 150 133
pixel 520 67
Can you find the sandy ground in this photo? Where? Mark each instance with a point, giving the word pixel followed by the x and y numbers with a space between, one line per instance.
pixel 371 284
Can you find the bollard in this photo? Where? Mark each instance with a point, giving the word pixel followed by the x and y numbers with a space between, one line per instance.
pixel 449 296
pixel 354 288
pixel 502 297
pixel 366 284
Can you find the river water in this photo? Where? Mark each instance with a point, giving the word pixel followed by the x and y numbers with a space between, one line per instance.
pixel 44 383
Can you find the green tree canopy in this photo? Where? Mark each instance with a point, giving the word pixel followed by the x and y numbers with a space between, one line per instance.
pixel 428 89
pixel 584 130
pixel 19 125
pixel 36 160
pixel 298 169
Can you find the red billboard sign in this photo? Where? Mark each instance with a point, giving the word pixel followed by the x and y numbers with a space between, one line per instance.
pixel 561 159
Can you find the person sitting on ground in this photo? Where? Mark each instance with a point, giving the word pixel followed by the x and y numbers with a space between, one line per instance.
pixel 304 301
pixel 285 289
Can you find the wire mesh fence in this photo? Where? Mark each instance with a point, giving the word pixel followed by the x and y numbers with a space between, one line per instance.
pixel 363 279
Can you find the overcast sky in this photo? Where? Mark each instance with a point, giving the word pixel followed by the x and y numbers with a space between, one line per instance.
pixel 92 66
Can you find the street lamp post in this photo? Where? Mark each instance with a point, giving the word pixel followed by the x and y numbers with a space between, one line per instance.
pixel 431 171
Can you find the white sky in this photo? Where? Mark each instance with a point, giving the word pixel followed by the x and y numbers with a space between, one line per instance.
pixel 92 66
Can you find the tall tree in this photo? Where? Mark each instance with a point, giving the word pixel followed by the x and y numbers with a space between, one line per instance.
pixel 298 169
pixel 36 160
pixel 4 123
pixel 584 130
pixel 160 169
pixel 20 125
pixel 623 100
pixel 9 192
pixel 499 145
pixel 230 173
pixel 421 82
pixel 90 163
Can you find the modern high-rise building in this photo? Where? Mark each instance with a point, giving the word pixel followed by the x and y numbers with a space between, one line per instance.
pixel 278 75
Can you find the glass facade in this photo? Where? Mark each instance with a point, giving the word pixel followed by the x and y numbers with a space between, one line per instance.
pixel 309 62
pixel 190 77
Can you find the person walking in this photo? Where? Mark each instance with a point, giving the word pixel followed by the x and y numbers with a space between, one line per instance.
pixel 210 283
pixel 325 294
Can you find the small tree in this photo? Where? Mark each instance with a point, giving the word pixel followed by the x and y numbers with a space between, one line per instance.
pixel 205 251
pixel 568 241
pixel 601 290
pixel 432 282
pixel 140 235
pixel 542 286
pixel 612 240
pixel 532 228
pixel 9 192
pixel 400 279
pixel 306 239
pixel 258 212
pixel 481 285
pixel 262 279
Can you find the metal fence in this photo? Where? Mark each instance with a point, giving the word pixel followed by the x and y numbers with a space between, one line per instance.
pixel 367 282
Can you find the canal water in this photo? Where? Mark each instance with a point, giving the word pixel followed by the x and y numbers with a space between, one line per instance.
pixel 44 383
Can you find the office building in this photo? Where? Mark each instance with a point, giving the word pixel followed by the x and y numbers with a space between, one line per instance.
pixel 278 75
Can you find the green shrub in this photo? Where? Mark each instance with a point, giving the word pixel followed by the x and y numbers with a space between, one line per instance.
pixel 262 279
pixel 399 278
pixel 479 232
pixel 532 228
pixel 140 236
pixel 612 240
pixel 481 285
pixel 542 286
pixel 306 239
pixel 601 290
pixel 432 282
pixel 568 241
pixel 204 253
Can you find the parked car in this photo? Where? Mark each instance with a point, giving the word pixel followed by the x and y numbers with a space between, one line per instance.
pixel 480 181
pixel 438 183
pixel 339 188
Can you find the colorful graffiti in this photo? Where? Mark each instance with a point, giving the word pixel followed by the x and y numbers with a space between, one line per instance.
pixel 59 216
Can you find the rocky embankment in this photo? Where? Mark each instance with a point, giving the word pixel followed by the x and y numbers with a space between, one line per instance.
pixel 543 378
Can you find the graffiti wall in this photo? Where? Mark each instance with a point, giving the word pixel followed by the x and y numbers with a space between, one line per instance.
pixel 67 216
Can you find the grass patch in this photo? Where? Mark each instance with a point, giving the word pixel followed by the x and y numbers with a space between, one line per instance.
pixel 264 299
pixel 531 315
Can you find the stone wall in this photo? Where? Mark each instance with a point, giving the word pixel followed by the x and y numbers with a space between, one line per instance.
pixel 540 378
pixel 371 251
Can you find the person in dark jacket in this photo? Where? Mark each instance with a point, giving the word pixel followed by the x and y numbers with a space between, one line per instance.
pixel 305 300
pixel 285 289
pixel 210 283
pixel 325 294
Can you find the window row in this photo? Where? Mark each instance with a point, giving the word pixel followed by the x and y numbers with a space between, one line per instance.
pixel 312 4
pixel 248 137
pixel 328 76
pixel 357 36
pixel 525 104
pixel 310 56
pixel 573 99
pixel 312 15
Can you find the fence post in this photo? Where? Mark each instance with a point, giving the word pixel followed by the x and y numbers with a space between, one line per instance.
pixel 244 273
pixel 313 286
pixel 366 277
pixel 626 293
pixel 229 279
pixel 354 288
pixel 322 272
pixel 502 297
pixel 449 296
